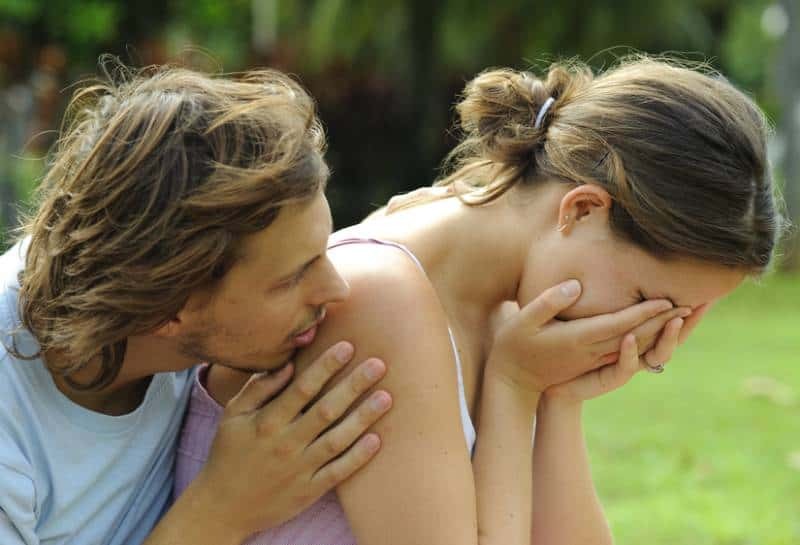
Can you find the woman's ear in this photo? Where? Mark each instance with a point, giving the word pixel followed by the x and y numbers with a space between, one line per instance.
pixel 584 203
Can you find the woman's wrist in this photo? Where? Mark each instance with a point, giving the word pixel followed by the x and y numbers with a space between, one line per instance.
pixel 556 399
pixel 497 385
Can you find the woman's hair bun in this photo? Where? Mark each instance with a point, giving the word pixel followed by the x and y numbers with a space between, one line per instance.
pixel 498 110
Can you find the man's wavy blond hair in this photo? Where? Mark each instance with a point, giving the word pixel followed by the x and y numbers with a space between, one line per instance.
pixel 157 175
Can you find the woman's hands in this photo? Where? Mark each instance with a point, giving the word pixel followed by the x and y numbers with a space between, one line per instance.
pixel 614 375
pixel 534 352
pixel 274 454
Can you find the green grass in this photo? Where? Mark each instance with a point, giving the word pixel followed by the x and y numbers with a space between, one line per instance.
pixel 698 455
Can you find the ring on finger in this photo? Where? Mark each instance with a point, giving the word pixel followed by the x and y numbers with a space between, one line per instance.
pixel 656 369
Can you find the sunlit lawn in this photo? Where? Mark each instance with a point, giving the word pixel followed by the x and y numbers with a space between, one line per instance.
pixel 706 453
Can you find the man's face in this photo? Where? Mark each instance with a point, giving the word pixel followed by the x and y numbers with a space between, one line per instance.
pixel 269 302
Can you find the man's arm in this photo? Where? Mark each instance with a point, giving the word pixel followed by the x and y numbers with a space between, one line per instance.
pixel 269 462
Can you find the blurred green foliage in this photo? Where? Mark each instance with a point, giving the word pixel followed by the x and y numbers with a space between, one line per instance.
pixel 385 73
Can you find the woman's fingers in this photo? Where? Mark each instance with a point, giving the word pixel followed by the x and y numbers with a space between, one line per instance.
pixel 628 358
pixel 335 403
pixel 258 390
pixel 605 379
pixel 549 304
pixel 338 438
pixel 613 326
pixel 307 385
pixel 614 376
pixel 666 345
pixel 691 322
pixel 646 333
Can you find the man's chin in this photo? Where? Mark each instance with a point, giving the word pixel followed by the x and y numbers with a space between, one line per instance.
pixel 271 366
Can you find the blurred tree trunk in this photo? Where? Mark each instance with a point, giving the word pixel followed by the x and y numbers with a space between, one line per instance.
pixel 788 84
pixel 426 87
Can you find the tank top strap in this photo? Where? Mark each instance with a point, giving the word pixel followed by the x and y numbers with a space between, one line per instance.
pixel 391 243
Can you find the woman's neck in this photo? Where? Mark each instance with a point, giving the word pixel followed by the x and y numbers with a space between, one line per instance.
pixel 474 255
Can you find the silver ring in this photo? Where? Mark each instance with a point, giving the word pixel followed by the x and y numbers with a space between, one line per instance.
pixel 656 369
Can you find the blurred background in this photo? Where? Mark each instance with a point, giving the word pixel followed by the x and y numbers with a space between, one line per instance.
pixel 708 453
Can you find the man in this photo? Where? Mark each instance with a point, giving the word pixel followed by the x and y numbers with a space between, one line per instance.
pixel 162 241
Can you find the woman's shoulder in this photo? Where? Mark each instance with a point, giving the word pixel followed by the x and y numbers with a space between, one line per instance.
pixel 392 313
pixel 387 286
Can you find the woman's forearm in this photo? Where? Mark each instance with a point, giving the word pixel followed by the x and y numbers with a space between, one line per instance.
pixel 566 509
pixel 502 463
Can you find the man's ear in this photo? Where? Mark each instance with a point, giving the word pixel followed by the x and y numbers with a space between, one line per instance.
pixel 585 202
pixel 170 328
pixel 177 324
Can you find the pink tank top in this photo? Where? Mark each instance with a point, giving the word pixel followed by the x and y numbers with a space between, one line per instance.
pixel 324 523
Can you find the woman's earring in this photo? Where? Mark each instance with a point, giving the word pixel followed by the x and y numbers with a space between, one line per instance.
pixel 561 229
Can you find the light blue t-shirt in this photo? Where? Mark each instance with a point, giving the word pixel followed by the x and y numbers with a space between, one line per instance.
pixel 69 475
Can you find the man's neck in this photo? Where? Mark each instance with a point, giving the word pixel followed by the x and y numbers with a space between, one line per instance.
pixel 144 357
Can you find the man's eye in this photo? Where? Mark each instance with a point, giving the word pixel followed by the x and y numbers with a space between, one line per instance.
pixel 293 281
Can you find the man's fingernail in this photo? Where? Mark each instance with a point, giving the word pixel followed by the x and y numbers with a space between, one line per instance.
pixel 380 401
pixel 374 369
pixel 372 442
pixel 685 312
pixel 344 351
pixel 571 288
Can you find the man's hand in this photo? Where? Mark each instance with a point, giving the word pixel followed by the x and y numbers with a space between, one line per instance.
pixel 274 455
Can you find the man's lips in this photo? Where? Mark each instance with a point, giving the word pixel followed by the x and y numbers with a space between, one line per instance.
pixel 306 336
pixel 304 339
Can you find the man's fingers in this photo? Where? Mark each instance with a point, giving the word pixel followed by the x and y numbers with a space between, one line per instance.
pixel 259 389
pixel 691 322
pixel 666 345
pixel 341 468
pixel 549 304
pixel 335 403
pixel 337 439
pixel 613 326
pixel 308 384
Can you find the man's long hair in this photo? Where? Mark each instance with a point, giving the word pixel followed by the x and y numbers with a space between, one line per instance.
pixel 157 174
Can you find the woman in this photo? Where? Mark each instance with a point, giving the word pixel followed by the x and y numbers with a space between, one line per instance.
pixel 648 182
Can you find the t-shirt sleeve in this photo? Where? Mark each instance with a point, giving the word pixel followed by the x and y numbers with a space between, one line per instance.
pixel 17 507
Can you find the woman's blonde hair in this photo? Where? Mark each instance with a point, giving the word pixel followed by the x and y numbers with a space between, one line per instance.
pixel 681 151
pixel 157 175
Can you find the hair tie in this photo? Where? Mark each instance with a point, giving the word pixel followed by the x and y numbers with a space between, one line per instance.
pixel 543 112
